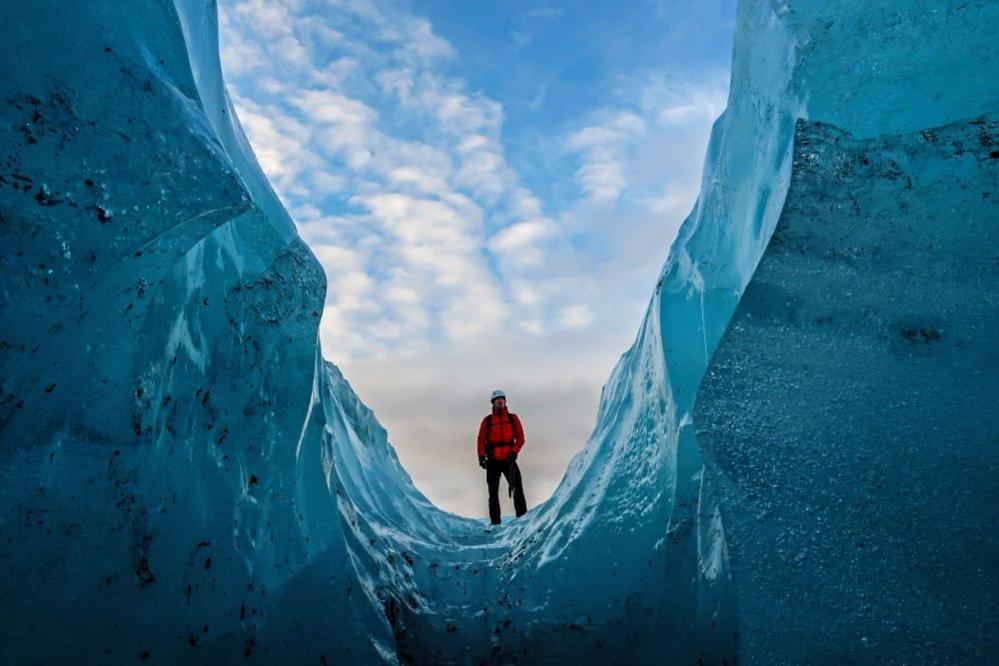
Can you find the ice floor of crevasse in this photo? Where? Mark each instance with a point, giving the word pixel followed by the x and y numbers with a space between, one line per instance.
pixel 626 509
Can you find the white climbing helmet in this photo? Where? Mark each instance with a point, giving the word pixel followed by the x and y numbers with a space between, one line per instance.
pixel 498 393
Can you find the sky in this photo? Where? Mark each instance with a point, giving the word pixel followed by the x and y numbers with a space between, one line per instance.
pixel 491 187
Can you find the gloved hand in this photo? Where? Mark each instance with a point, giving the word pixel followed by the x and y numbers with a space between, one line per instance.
pixel 512 457
pixel 482 461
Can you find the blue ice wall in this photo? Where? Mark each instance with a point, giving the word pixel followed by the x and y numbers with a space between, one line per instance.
pixel 151 284
pixel 186 479
pixel 849 416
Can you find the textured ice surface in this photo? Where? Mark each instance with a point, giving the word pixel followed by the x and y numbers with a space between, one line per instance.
pixel 849 416
pixel 185 478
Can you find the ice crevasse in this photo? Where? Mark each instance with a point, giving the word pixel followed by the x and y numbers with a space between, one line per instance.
pixel 185 478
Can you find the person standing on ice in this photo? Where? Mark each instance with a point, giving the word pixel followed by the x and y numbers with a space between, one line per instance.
pixel 501 437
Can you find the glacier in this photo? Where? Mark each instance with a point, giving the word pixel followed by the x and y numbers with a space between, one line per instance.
pixel 794 462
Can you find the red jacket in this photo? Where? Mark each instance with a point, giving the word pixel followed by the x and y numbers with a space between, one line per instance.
pixel 497 428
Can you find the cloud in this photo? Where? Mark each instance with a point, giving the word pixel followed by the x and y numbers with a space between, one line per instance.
pixel 675 100
pixel 424 44
pixel 524 243
pixel 661 108
pixel 602 148
pixel 449 270
pixel 333 108
pixel 326 130
pixel 575 316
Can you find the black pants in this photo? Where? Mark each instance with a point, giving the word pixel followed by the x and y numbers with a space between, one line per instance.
pixel 494 468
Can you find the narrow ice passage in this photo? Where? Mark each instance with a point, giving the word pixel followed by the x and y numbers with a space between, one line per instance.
pixel 187 479
pixel 197 456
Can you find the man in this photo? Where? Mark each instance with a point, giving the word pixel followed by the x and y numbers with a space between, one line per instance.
pixel 501 437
